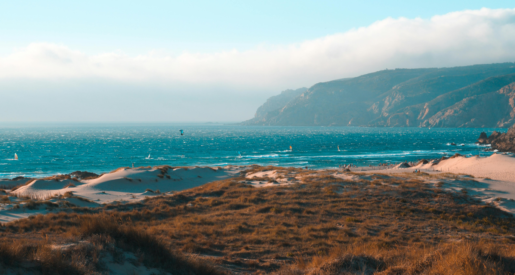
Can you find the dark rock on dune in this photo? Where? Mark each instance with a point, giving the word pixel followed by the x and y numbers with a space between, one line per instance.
pixel 470 96
pixel 84 175
pixel 504 142
pixel 403 165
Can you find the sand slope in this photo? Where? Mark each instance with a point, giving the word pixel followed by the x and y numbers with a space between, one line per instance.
pixel 124 185
pixel 497 166
pixel 493 182
pixel 129 183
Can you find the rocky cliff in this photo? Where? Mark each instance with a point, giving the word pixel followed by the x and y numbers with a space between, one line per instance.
pixel 471 96
pixel 274 104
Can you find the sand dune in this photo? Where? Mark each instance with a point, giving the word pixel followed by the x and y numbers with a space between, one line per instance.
pixel 493 182
pixel 492 178
pixel 129 183
pixel 497 166
pixel 123 185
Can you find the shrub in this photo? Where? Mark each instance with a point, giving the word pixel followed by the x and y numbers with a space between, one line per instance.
pixel 153 252
pixel 5 199
pixel 83 199
pixel 31 205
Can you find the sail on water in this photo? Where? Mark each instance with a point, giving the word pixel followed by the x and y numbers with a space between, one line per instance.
pixel 15 156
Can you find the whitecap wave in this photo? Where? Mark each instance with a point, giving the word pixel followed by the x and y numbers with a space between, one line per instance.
pixel 266 156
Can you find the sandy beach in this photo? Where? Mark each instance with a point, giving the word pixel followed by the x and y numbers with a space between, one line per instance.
pixel 490 179
pixel 124 185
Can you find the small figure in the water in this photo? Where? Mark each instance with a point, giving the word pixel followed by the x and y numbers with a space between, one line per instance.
pixel 182 132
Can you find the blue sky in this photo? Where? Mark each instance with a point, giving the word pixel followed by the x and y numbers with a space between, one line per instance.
pixel 182 61
pixel 135 27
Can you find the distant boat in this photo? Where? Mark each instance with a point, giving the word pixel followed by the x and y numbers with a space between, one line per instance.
pixel 182 132
pixel 338 148
pixel 239 154
pixel 15 156
pixel 290 148
pixel 148 156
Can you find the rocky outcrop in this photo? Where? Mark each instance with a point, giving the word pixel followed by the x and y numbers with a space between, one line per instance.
pixel 471 96
pixel 504 142
pixel 484 139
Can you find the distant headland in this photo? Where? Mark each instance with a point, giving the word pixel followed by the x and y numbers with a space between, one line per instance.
pixel 479 96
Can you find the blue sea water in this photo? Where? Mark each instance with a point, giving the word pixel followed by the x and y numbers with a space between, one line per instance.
pixel 52 149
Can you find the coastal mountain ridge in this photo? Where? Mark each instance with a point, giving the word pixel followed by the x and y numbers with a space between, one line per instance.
pixel 469 96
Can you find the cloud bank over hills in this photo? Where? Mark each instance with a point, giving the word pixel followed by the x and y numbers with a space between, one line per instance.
pixel 453 39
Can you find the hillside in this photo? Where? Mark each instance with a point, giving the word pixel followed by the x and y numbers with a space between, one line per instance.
pixel 277 102
pixel 434 97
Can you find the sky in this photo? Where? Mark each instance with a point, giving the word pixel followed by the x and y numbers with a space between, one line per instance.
pixel 202 61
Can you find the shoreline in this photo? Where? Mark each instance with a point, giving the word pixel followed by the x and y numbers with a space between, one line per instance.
pixel 356 167
pixel 490 179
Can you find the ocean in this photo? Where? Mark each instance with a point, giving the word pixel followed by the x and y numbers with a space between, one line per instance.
pixel 64 148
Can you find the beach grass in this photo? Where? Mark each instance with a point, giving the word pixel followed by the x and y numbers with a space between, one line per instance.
pixel 321 224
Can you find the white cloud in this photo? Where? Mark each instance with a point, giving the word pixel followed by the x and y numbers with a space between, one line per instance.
pixel 458 38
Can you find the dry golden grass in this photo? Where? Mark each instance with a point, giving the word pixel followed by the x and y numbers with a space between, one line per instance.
pixel 93 238
pixel 381 223
pixel 471 258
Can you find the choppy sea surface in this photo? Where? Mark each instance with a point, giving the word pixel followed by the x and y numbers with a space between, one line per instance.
pixel 53 149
